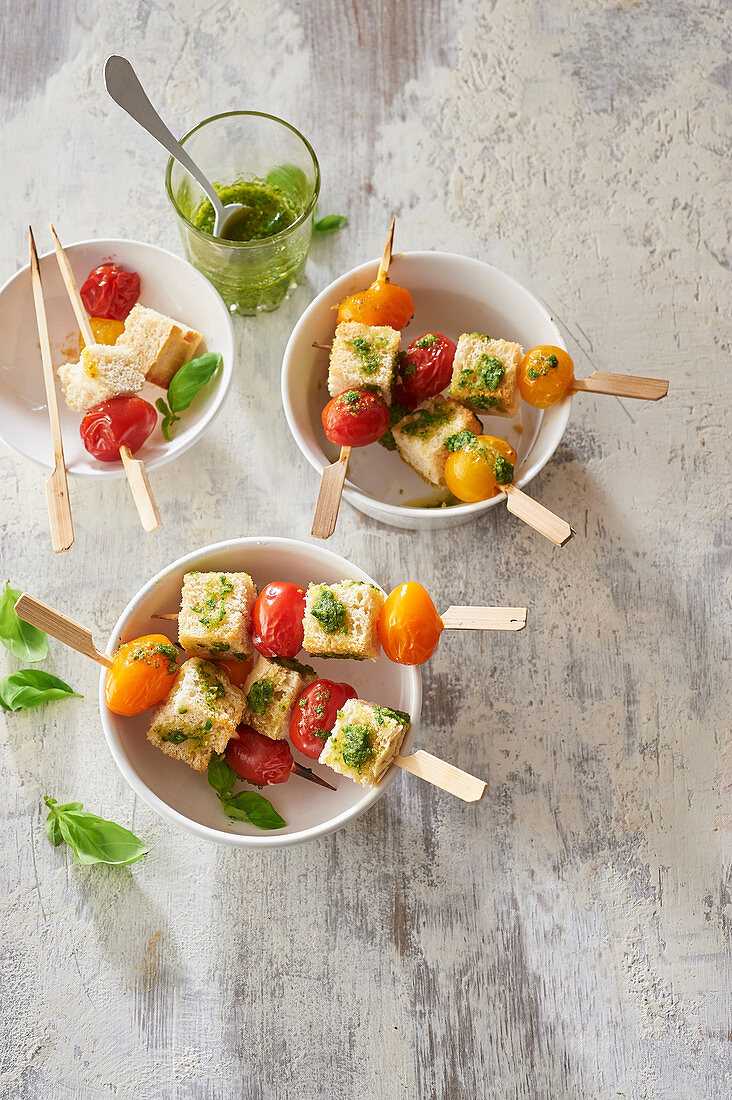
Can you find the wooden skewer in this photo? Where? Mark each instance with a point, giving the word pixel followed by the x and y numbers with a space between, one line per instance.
pixel 57 486
pixel 537 516
pixel 484 618
pixel 622 385
pixel 386 254
pixel 137 478
pixel 309 774
pixel 61 627
pixel 443 775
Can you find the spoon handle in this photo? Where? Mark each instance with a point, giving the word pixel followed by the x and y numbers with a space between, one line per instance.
pixel 126 90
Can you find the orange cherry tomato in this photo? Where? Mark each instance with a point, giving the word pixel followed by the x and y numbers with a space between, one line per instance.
pixel 237 671
pixel 409 626
pixel 142 674
pixel 383 303
pixel 545 375
pixel 106 331
pixel 476 472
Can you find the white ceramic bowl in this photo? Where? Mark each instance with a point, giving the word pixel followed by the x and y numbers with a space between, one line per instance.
pixel 452 294
pixel 167 284
pixel 183 797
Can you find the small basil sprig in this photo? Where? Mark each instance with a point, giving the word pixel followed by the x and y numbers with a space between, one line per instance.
pixel 330 223
pixel 24 641
pixel 29 687
pixel 246 805
pixel 92 839
pixel 185 384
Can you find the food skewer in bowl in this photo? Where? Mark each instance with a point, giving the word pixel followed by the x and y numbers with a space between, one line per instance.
pixel 134 468
pixel 57 486
pixel 546 375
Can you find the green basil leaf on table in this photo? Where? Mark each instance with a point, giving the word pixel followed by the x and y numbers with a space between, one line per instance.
pixel 24 641
pixel 190 378
pixel 92 839
pixel 244 806
pixel 330 223
pixel 30 687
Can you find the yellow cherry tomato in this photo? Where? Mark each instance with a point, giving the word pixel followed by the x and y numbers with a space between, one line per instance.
pixel 409 626
pixel 478 470
pixel 106 331
pixel 143 672
pixel 383 303
pixel 545 375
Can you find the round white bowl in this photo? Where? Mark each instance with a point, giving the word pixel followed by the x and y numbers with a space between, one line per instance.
pixel 167 284
pixel 452 294
pixel 182 796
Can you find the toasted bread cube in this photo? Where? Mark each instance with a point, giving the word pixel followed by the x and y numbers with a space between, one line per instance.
pixel 215 618
pixel 160 344
pixel 271 689
pixel 365 739
pixel 341 620
pixel 485 374
pixel 420 436
pixel 200 715
pixel 103 371
pixel 363 356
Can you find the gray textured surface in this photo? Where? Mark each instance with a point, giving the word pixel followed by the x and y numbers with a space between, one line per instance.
pixel 566 936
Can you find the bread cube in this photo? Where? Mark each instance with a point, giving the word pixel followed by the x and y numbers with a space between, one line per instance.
pixel 365 739
pixel 485 374
pixel 420 436
pixel 160 344
pixel 200 715
pixel 215 618
pixel 271 690
pixel 363 356
pixel 103 371
pixel 341 620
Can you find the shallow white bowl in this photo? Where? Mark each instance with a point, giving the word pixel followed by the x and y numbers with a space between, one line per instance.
pixel 167 284
pixel 183 797
pixel 452 294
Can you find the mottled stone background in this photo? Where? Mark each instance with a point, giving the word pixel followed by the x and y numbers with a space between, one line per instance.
pixel 565 937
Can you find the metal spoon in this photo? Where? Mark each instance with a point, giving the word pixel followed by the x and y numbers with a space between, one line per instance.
pixel 126 90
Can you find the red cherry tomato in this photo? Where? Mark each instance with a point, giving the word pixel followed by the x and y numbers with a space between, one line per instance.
pixel 121 420
pixel 409 626
pixel 315 713
pixel 277 615
pixel 259 759
pixel 355 418
pixel 426 369
pixel 110 291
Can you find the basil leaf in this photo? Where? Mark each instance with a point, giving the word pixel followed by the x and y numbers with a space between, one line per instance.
pixel 24 641
pixel 190 378
pixel 92 839
pixel 221 777
pixel 252 807
pixel 330 223
pixel 30 687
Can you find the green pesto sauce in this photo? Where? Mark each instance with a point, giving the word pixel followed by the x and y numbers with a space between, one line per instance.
pixel 168 651
pixel 462 439
pixel 427 341
pixel 489 372
pixel 548 362
pixel 355 748
pixel 365 351
pixel 295 666
pixel 210 685
pixel 269 210
pixel 177 737
pixel 399 716
pixel 329 612
pixel 503 470
pixel 212 609
pixel 424 422
pixel 260 695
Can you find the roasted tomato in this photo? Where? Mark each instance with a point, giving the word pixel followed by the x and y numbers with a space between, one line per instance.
pixel 425 370
pixel 142 674
pixel 355 418
pixel 477 471
pixel 259 759
pixel 110 291
pixel 105 331
pixel 545 375
pixel 383 303
pixel 314 714
pixel 237 671
pixel 277 615
pixel 120 421
pixel 409 626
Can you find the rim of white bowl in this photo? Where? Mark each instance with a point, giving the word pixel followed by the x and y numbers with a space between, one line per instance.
pixel 205 832
pixel 223 386
pixel 351 492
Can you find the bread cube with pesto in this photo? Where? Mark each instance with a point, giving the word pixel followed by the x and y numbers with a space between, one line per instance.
pixel 420 436
pixel 365 739
pixel 160 344
pixel 199 716
pixel 102 371
pixel 341 620
pixel 485 374
pixel 215 618
pixel 363 356
pixel 271 689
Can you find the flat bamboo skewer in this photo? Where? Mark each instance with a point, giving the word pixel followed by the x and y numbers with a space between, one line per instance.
pixel 537 516
pixel 455 618
pixel 57 486
pixel 443 775
pixel 60 627
pixel 334 476
pixel 137 478
pixel 622 385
